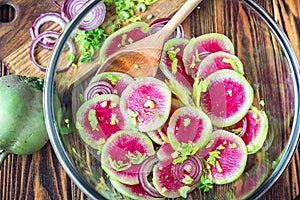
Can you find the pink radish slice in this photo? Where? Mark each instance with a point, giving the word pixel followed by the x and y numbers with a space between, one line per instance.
pixel 217 61
pixel 225 155
pixel 123 37
pixel 132 191
pixel 257 129
pixel 123 154
pixel 200 47
pixel 228 97
pixel 171 62
pixel 189 124
pixel 99 118
pixel 146 104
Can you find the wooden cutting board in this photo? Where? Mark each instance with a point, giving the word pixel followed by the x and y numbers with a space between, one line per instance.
pixel 15 39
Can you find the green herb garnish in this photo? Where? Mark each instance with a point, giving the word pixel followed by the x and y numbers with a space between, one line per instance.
pixel 205 182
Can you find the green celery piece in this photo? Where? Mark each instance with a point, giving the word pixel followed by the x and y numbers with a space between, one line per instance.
pixel 182 93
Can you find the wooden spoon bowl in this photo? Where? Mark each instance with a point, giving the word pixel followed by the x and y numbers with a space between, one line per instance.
pixel 142 57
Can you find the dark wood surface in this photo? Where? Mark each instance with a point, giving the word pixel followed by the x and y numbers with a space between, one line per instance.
pixel 40 176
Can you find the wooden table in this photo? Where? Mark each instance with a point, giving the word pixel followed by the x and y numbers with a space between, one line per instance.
pixel 40 176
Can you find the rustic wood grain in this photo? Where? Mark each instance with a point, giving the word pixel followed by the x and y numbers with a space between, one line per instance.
pixel 40 176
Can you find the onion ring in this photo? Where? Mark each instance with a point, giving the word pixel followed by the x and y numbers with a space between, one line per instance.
pixel 34 30
pixel 93 20
pixel 191 166
pixel 144 171
pixel 244 128
pixel 160 23
pixel 48 34
pixel 99 87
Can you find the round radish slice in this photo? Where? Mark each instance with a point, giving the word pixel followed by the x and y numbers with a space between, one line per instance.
pixel 146 104
pixel 189 125
pixel 171 63
pixel 217 61
pixel 122 37
pixel 118 80
pixel 132 191
pixel 200 47
pixel 226 156
pixel 123 154
pixel 228 97
pixel 257 129
pixel 98 118
pixel 165 152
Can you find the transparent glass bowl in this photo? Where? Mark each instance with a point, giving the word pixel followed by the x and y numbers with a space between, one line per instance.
pixel 270 65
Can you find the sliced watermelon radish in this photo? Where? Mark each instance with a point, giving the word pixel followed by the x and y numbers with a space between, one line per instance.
pixel 132 191
pixel 225 155
pixel 146 104
pixel 171 63
pixel 189 125
pixel 99 118
pixel 118 80
pixel 228 97
pixel 123 154
pixel 160 136
pixel 122 37
pixel 176 180
pixel 200 47
pixel 257 129
pixel 166 152
pixel 219 60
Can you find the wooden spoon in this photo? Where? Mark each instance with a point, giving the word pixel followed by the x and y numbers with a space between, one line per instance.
pixel 142 57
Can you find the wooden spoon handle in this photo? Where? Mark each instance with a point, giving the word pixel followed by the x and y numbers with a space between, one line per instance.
pixel 181 15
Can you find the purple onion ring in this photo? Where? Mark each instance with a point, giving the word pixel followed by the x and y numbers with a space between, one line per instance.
pixel 34 30
pixel 160 23
pixel 93 19
pixel 48 34
pixel 144 171
pixel 96 88
pixel 191 166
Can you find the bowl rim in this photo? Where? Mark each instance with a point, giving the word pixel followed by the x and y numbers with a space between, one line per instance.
pixel 58 146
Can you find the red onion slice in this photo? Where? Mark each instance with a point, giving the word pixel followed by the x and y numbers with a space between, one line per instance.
pixel 34 30
pixel 49 34
pixel 98 88
pixel 244 128
pixel 191 166
pixel 159 24
pixel 93 19
pixel 144 171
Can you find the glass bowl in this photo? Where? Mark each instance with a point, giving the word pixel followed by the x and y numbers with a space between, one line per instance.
pixel 270 66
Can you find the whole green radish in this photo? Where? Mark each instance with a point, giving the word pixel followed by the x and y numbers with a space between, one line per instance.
pixel 23 129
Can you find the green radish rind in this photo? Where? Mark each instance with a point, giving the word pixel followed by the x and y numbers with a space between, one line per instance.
pixel 162 65
pixel 257 143
pixel 193 46
pixel 226 139
pixel 127 192
pixel 82 114
pixel 23 130
pixel 141 27
pixel 230 59
pixel 161 106
pixel 227 74
pixel 120 142
pixel 189 112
